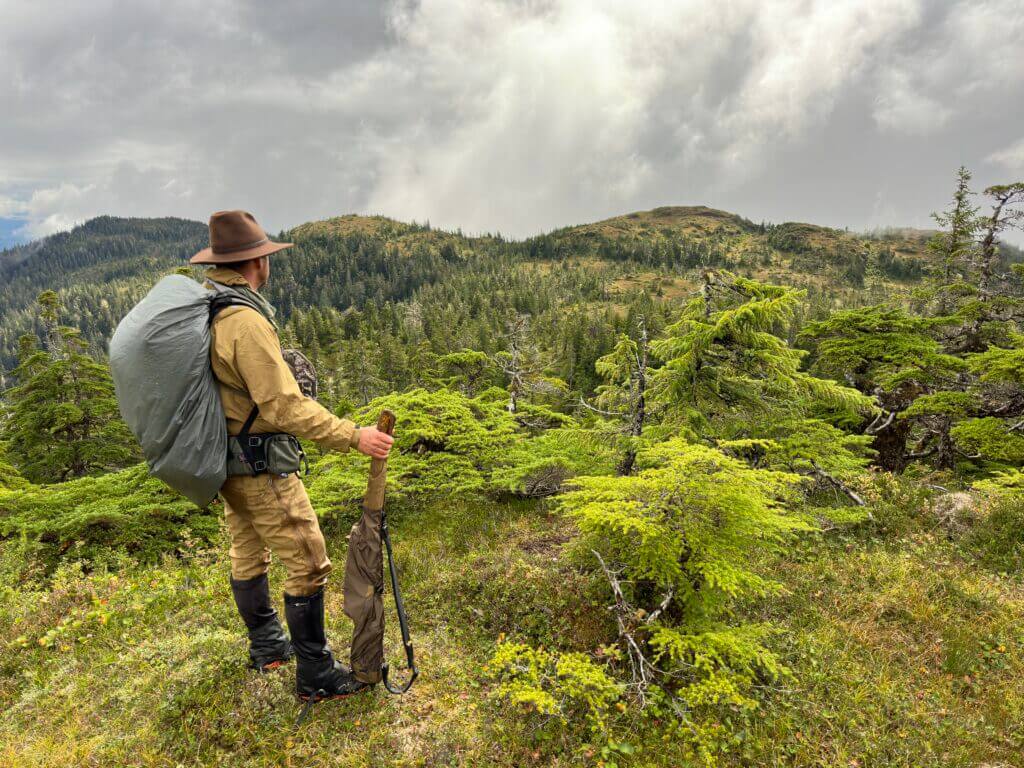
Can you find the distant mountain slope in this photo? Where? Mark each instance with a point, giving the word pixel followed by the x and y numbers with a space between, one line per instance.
pixel 697 235
pixel 104 266
pixel 101 247
pixel 100 269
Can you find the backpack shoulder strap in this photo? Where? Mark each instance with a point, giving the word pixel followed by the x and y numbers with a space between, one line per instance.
pixel 222 301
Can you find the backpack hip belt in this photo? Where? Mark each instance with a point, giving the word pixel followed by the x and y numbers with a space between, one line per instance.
pixel 274 453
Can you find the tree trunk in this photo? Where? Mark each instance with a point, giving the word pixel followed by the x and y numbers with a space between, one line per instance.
pixel 891 444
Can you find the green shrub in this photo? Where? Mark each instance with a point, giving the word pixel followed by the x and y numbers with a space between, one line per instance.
pixel 566 686
pixel 448 444
pixel 541 465
pixel 1007 483
pixel 677 544
pixel 95 518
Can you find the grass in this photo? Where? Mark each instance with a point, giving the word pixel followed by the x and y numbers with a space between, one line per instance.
pixel 905 652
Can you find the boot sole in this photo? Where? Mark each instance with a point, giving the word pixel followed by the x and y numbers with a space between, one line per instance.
pixel 335 697
pixel 270 666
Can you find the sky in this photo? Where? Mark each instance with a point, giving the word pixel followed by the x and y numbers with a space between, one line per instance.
pixel 510 116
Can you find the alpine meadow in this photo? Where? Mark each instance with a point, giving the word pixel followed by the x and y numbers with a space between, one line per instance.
pixel 675 488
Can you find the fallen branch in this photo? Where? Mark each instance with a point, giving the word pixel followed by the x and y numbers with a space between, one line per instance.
pixel 839 484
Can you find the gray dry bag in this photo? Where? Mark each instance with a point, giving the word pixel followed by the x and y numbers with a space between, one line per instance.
pixel 166 390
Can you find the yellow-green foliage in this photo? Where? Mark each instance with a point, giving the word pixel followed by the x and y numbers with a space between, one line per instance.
pixel 692 521
pixel 9 476
pixel 726 364
pixel 1008 483
pixel 1001 365
pixel 94 518
pixel 879 346
pixel 445 444
pixel 567 686
pixel 684 537
pixel 540 466
pixel 989 439
pixel 804 445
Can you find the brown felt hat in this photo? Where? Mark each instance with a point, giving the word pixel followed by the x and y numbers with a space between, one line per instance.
pixel 235 236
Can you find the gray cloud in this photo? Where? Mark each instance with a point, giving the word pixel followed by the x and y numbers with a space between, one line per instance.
pixel 502 115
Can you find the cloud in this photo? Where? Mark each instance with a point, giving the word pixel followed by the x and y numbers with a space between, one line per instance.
pixel 901 108
pixel 502 115
pixel 1011 157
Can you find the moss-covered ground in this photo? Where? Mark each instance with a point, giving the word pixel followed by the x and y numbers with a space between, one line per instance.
pixel 904 653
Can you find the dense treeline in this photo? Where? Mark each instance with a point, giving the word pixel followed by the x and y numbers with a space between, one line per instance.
pixel 103 267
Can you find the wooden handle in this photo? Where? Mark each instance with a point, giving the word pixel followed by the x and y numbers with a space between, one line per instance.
pixel 386 422
pixel 374 498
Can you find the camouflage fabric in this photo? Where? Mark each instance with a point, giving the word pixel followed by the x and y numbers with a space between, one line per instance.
pixel 302 370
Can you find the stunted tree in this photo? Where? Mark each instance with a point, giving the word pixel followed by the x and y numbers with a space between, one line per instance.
pixel 947 379
pixel 952 248
pixel 727 368
pixel 678 543
pixel 972 292
pixel 623 396
pixel 885 353
pixel 521 362
pixel 466 371
pixel 63 420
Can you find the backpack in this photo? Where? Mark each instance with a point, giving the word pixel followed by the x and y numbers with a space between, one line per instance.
pixel 166 390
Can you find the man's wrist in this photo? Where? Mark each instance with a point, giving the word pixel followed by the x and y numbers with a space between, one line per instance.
pixel 354 440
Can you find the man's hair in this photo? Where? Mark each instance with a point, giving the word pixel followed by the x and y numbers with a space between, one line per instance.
pixel 237 265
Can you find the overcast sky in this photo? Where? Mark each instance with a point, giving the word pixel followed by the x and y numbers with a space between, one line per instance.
pixel 503 115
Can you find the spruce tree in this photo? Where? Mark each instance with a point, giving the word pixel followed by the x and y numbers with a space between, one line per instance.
pixel 884 352
pixel 64 420
pixel 727 368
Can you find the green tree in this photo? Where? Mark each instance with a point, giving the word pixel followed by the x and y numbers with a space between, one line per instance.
pixel 885 352
pixel 677 543
pixel 953 248
pixel 63 419
pixel 728 370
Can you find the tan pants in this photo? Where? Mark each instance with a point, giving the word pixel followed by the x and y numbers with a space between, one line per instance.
pixel 268 513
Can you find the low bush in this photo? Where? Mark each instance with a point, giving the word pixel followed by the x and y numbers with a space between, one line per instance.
pixel 98 518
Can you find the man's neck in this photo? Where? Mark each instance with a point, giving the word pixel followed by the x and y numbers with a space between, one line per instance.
pixel 251 278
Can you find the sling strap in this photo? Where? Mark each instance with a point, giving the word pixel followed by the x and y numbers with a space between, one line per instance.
pixel 243 442
pixel 403 620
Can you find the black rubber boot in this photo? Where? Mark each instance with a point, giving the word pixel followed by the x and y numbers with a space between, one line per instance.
pixel 269 647
pixel 318 674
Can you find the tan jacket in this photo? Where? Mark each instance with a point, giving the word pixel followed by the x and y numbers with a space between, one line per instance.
pixel 246 357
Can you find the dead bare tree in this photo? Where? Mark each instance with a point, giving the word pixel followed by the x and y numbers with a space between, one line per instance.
pixel 521 363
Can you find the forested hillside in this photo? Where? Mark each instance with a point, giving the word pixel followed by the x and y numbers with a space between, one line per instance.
pixel 671 489
pixel 100 269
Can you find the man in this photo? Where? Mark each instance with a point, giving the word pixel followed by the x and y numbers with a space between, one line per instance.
pixel 268 512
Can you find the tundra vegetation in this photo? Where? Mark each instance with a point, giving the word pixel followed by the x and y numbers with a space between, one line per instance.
pixel 671 489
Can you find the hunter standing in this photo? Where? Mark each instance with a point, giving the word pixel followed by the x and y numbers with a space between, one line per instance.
pixel 269 511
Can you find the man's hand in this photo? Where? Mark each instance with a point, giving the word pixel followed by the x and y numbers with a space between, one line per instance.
pixel 374 443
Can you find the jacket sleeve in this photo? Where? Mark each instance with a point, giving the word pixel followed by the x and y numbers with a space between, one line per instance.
pixel 272 387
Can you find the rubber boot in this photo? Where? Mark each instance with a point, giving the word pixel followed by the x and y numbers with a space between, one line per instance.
pixel 269 647
pixel 318 674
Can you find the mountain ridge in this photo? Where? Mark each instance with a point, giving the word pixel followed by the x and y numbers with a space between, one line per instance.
pixel 103 266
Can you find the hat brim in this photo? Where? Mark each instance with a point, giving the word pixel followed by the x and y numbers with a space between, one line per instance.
pixel 207 256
